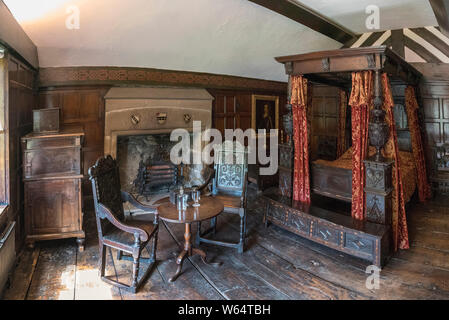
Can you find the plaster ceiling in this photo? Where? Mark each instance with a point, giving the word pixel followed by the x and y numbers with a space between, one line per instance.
pixel 234 37
pixel 394 14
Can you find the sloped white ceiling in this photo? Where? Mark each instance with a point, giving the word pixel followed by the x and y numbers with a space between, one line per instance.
pixel 394 14
pixel 234 37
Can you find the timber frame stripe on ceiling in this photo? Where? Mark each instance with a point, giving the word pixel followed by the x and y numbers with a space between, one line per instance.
pixel 308 18
pixel 429 43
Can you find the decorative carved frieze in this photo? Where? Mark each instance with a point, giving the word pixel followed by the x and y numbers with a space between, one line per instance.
pixel 147 76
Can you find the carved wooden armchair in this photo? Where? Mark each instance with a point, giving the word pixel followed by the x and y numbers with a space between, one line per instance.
pixel 229 185
pixel 114 231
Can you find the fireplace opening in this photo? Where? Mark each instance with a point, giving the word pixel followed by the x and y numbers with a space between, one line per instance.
pixel 145 167
pixel 144 163
pixel 155 177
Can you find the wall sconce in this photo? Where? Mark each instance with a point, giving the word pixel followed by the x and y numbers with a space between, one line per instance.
pixel 2 52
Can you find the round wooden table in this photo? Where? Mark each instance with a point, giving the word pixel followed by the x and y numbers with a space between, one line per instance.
pixel 209 208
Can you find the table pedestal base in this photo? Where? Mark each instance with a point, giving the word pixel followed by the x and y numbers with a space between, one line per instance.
pixel 189 251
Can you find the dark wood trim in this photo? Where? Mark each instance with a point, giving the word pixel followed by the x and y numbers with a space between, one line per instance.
pixel 420 50
pixel 433 71
pixel 432 39
pixel 15 39
pixel 309 18
pixel 372 39
pixel 397 42
pixel 441 10
pixel 104 76
pixel 333 53
pixel 349 60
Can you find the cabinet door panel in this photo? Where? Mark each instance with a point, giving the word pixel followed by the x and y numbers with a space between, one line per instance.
pixel 52 206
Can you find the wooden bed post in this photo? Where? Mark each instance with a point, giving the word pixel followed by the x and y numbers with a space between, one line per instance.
pixel 286 149
pixel 378 187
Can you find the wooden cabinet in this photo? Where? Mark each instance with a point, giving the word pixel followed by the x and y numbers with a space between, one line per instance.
pixel 52 166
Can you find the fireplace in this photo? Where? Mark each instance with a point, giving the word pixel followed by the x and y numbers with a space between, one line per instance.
pixel 138 124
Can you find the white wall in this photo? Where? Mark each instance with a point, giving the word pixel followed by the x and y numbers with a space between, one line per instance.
pixel 235 37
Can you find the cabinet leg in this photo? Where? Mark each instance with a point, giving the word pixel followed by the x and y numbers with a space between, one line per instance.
pixel 80 242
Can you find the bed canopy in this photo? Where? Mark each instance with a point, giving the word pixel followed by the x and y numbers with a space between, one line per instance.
pixel 377 191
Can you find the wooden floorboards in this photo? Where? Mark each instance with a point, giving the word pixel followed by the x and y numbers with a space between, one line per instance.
pixel 276 265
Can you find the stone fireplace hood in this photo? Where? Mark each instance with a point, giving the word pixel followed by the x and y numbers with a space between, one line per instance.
pixel 153 110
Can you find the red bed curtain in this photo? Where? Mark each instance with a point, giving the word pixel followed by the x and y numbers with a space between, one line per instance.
pixel 299 102
pixel 341 141
pixel 411 105
pixel 361 101
pixel 391 151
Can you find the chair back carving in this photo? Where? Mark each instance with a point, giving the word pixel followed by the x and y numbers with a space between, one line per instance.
pixel 231 167
pixel 105 179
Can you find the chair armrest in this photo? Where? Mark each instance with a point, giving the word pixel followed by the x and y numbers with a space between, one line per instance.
pixel 105 213
pixel 127 197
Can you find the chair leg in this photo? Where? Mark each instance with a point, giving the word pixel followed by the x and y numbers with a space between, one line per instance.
pixel 245 225
pixel 102 259
pixel 242 230
pixel 153 252
pixel 135 272
pixel 119 255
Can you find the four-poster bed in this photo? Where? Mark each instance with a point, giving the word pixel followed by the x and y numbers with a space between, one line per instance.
pixel 378 180
pixel 333 179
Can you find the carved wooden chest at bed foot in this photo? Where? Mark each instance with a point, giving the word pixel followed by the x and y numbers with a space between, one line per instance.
pixel 368 241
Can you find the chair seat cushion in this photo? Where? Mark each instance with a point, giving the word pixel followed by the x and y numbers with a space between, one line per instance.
pixel 144 222
pixel 229 201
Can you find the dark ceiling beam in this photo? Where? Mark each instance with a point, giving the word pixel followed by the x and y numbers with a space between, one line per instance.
pixel 309 18
pixel 441 10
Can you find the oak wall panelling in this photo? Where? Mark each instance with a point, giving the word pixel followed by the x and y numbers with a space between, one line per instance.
pixel 435 101
pixel 80 106
pixel 22 96
pixel 325 105
pixel 79 92
pixel 232 109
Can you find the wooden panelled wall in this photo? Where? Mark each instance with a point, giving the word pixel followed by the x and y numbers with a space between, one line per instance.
pixel 22 100
pixel 80 106
pixel 84 105
pixel 232 108
pixel 435 99
pixel 325 106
